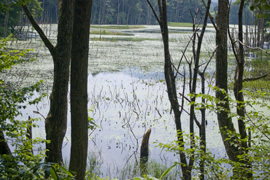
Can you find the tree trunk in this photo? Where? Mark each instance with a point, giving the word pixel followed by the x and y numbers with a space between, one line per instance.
pixel 78 90
pixel 262 33
pixel 4 148
pixel 239 95
pixel 224 121
pixel 6 23
pixel 171 87
pixel 239 74
pixel 118 13
pixel 56 121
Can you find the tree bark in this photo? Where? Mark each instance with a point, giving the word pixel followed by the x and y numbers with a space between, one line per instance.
pixel 239 74
pixel 78 90
pixel 258 32
pixel 171 87
pixel 56 121
pixel 262 33
pixel 4 148
pixel 239 95
pixel 6 23
pixel 224 121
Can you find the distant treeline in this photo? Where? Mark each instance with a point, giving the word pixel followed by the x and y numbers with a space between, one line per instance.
pixel 139 12
pixel 117 12
pixel 128 11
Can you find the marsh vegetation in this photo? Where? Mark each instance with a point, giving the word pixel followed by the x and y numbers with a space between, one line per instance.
pixel 127 95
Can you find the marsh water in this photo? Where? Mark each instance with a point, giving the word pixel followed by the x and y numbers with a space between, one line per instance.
pixel 126 93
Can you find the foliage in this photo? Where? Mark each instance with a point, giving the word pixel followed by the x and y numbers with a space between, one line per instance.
pixel 13 10
pixel 22 164
pixel 248 17
pixel 257 154
pixel 163 175
pixel 257 66
pixel 91 121
pixel 261 5
pixel 9 58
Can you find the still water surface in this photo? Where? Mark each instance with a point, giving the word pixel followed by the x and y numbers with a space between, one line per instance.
pixel 127 96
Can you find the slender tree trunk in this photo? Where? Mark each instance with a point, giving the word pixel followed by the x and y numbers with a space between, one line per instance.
pixel 202 127
pixel 239 95
pixel 262 33
pixel 118 12
pixel 224 121
pixel 203 131
pixel 238 85
pixel 247 35
pixel 260 26
pixel 6 23
pixel 78 90
pixel 171 87
pixel 255 35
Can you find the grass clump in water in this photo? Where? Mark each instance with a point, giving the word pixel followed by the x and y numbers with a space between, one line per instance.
pixel 262 85
pixel 118 26
pixel 180 24
pixel 104 32
pixel 258 67
pixel 122 39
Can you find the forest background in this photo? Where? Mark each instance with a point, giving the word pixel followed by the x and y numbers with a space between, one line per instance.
pixel 120 12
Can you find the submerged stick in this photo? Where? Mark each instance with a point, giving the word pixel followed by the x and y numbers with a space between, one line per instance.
pixel 144 152
pixel 29 132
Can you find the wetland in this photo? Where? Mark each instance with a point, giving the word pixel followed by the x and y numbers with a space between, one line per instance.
pixel 126 94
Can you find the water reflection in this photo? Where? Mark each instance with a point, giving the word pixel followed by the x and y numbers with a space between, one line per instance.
pixel 125 105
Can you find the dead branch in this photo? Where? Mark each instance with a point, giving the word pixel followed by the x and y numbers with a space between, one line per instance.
pixel 256 78
pixel 153 10
pixel 208 62
pixel 210 16
pixel 254 48
pixel 36 112
pixel 44 38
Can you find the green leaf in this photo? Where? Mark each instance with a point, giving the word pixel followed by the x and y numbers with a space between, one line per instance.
pixel 66 171
pixel 53 174
pixel 167 171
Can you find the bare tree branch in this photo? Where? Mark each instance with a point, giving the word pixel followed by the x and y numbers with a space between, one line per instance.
pixel 234 46
pixel 208 62
pixel 153 10
pixel 183 91
pixel 254 48
pixel 256 78
pixel 210 16
pixel 44 38
pixel 183 52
